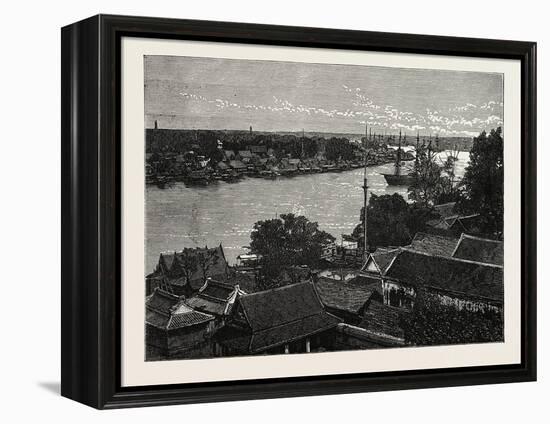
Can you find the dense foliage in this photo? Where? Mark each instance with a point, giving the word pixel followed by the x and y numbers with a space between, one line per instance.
pixel 288 240
pixel 391 221
pixel 432 180
pixel 432 323
pixel 483 182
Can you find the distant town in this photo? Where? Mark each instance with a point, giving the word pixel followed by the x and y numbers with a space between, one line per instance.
pixel 416 271
pixel 202 157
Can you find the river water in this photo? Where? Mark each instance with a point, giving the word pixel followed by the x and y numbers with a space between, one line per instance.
pixel 179 216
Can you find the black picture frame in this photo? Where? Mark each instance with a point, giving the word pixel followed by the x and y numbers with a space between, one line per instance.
pixel 91 210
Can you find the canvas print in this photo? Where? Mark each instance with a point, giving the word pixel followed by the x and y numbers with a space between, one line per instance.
pixel 303 207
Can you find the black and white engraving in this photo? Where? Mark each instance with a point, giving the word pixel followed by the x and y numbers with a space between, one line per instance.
pixel 301 207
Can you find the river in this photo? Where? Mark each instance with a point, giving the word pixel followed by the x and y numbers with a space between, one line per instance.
pixel 179 216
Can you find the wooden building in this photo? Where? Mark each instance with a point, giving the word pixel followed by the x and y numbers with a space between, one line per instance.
pixel 461 283
pixel 174 330
pixel 288 319
pixel 216 299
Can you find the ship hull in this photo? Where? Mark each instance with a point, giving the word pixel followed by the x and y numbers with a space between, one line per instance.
pixel 398 180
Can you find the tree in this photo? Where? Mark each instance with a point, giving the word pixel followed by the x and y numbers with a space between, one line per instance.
pixel 450 191
pixel 428 183
pixel 391 221
pixel 483 182
pixel 288 240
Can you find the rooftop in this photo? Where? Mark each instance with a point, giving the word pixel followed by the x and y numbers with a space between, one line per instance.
pixel 383 258
pixel 446 273
pixel 433 244
pixel 166 311
pixel 215 298
pixel 479 249
pixel 279 316
pixel 446 210
pixel 382 319
pixel 345 296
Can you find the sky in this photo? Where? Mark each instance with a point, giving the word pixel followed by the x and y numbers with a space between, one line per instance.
pixel 212 93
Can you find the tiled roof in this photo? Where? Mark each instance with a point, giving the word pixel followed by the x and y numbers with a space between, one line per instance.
pixel 344 296
pixel 383 319
pixel 467 224
pixel 161 301
pixel 383 257
pixel 280 306
pixel 276 317
pixel 291 331
pixel 211 306
pixel 156 319
pixel 446 210
pixel 222 165
pixel 248 341
pixel 451 274
pixel 433 244
pixel 479 250
pixel 217 289
pixel 184 316
pixel 215 298
pixel 237 164
pixel 167 311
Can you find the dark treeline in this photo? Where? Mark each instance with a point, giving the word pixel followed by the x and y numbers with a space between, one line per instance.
pixel 205 142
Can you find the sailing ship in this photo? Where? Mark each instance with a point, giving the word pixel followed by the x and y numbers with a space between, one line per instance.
pixel 398 178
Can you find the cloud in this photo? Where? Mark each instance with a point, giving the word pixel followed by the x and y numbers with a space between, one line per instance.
pixel 463 120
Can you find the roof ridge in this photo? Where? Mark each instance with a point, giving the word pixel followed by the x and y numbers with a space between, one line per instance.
pixel 449 258
pixel 424 233
pixel 275 288
pixel 470 236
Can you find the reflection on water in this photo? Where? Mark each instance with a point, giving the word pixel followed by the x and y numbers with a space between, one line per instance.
pixel 180 216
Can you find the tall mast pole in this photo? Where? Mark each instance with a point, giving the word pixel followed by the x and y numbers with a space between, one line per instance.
pixel 365 191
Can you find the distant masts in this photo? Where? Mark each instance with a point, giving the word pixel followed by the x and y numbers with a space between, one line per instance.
pixel 365 200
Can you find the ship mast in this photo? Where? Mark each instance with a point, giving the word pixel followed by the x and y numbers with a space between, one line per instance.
pixel 398 157
pixel 365 199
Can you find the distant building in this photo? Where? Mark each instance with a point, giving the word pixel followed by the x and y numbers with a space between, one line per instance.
pixel 186 271
pixel 248 261
pixel 237 165
pixel 289 319
pixel 450 222
pixel 244 156
pixel 258 150
pixel 174 330
pixel 229 154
